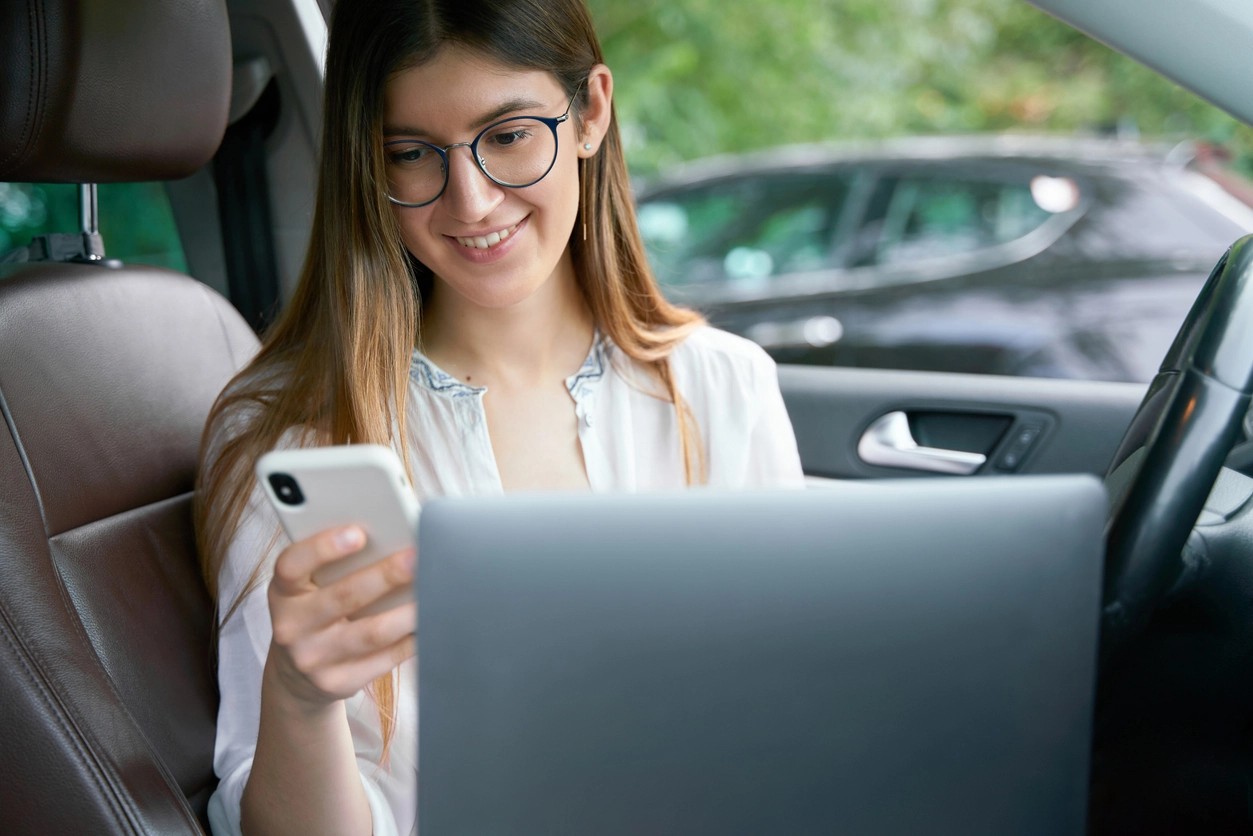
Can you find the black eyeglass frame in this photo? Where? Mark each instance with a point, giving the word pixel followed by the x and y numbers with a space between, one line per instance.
pixel 551 121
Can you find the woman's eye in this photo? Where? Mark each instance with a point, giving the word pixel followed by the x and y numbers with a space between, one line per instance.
pixel 513 137
pixel 408 156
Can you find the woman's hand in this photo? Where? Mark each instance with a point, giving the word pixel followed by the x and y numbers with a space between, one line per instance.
pixel 320 653
pixel 305 777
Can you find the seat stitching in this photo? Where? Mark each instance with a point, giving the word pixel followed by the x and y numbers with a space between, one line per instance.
pixel 37 83
pixel 169 500
pixel 14 632
pixel 7 414
pixel 71 732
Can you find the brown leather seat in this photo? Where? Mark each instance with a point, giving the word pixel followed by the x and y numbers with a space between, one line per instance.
pixel 107 692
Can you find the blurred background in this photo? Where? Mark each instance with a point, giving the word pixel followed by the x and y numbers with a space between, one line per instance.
pixel 946 185
pixel 699 77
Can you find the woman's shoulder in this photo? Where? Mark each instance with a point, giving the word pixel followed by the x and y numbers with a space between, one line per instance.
pixel 708 349
pixel 712 365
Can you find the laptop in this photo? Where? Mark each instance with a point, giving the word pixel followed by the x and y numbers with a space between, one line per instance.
pixel 905 657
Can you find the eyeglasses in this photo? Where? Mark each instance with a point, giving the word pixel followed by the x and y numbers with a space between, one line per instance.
pixel 514 153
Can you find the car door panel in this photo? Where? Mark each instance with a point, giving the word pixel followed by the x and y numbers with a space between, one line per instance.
pixel 1017 425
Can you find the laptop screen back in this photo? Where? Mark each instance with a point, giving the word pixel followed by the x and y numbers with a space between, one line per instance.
pixel 901 658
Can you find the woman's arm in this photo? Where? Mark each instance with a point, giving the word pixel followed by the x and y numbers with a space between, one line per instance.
pixel 249 687
pixel 304 777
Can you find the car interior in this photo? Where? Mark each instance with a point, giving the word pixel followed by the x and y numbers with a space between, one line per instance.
pixel 110 700
pixel 107 371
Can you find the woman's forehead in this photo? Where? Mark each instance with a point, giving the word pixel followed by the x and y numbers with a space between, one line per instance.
pixel 460 90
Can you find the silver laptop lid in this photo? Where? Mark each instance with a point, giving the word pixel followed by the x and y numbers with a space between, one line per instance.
pixel 896 658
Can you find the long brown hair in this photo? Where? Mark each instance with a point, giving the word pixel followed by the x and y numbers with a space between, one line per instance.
pixel 334 366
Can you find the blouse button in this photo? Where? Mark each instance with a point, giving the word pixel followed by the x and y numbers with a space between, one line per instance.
pixel 587 418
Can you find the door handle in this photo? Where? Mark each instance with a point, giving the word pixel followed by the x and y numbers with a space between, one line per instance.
pixel 888 442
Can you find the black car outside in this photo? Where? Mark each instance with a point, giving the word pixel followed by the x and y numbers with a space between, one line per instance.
pixel 1029 256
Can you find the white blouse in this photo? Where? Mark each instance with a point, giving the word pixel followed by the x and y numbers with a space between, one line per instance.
pixel 630 442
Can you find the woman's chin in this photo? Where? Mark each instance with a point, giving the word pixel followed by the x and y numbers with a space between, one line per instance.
pixel 492 295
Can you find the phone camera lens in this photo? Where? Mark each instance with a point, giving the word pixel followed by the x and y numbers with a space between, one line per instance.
pixel 286 488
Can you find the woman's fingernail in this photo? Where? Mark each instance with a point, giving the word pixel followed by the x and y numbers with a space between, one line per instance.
pixel 350 538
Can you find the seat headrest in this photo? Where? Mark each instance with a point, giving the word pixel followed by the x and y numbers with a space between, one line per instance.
pixel 104 91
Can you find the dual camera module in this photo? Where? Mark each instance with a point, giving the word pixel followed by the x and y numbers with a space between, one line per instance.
pixel 286 488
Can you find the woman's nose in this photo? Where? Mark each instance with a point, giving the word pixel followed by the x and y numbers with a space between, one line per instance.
pixel 470 196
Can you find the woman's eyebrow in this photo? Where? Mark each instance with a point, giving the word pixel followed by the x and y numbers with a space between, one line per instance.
pixel 505 108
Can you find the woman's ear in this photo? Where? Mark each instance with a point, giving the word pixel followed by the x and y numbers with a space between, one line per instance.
pixel 595 118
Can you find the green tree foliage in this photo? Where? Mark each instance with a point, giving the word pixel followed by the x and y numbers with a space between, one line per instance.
pixel 699 77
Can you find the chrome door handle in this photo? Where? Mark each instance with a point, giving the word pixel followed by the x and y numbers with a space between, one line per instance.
pixel 889 443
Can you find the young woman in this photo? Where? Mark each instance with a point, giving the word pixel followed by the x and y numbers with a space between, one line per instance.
pixel 475 295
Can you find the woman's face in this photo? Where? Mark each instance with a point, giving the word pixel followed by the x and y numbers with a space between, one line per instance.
pixel 491 246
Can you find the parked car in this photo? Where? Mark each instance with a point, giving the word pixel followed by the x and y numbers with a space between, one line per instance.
pixel 1017 255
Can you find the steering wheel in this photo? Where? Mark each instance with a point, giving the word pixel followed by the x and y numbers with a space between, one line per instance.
pixel 1192 416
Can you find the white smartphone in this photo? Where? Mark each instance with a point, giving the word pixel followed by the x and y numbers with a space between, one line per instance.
pixel 317 488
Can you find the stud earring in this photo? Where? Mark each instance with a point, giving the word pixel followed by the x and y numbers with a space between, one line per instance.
pixel 587 146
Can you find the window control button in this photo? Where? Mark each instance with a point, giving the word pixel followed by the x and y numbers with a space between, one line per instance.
pixel 1020 444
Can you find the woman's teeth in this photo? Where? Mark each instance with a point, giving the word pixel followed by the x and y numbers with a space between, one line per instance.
pixel 484 242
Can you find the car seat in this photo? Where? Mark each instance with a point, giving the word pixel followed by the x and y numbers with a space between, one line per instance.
pixel 107 690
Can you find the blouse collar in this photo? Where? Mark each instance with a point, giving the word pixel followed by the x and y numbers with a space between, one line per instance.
pixel 581 385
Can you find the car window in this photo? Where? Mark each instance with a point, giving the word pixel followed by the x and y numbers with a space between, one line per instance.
pixel 745 230
pixel 1024 201
pixel 924 217
pixel 136 222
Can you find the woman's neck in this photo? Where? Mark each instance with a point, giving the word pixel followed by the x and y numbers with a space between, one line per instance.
pixel 546 336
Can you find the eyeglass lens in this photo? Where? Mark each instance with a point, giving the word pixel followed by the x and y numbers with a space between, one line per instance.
pixel 516 153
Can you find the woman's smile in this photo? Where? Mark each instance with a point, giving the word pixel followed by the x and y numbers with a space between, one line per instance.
pixel 487 240
pixel 491 247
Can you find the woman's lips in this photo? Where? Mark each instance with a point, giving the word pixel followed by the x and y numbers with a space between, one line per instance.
pixel 486 242
pixel 486 249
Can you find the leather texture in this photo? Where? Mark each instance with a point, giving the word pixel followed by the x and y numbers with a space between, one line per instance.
pixel 108 694
pixel 102 91
pixel 107 690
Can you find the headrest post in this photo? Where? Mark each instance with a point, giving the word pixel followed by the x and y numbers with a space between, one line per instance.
pixel 88 208
pixel 89 221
